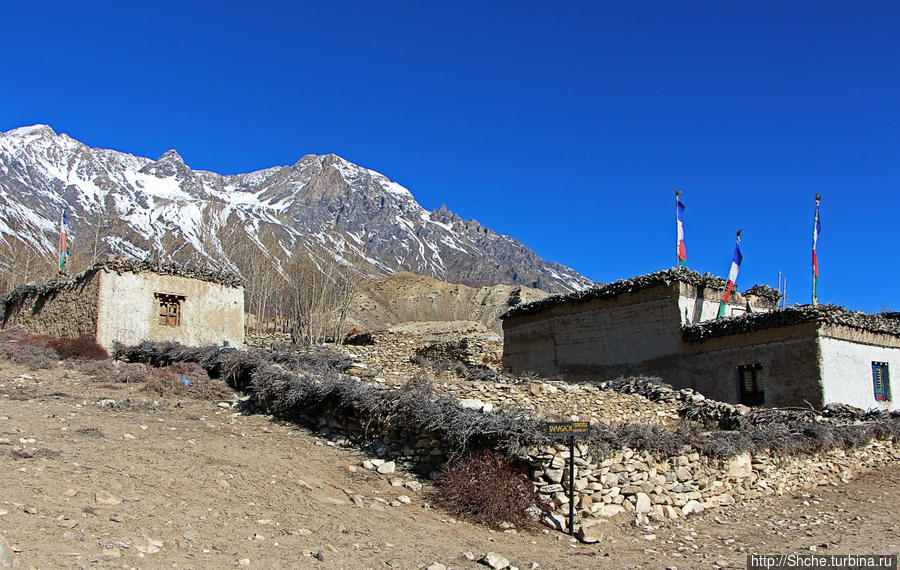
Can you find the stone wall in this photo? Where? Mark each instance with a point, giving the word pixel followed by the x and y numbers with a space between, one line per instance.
pixel 388 355
pixel 554 399
pixel 625 485
pixel 643 488
pixel 66 308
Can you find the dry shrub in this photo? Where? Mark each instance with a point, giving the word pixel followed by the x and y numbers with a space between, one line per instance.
pixel 170 381
pixel 12 335
pixel 487 488
pixel 318 388
pixel 124 374
pixel 96 368
pixel 11 348
pixel 84 347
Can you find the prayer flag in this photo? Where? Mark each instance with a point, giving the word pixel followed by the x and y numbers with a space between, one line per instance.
pixel 63 240
pixel 680 250
pixel 817 229
pixel 732 275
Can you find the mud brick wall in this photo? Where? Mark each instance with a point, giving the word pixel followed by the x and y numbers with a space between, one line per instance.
pixel 789 357
pixel 211 312
pixel 68 310
pixel 604 337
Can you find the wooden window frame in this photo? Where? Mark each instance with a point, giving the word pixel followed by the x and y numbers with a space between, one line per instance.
pixel 754 393
pixel 881 381
pixel 169 309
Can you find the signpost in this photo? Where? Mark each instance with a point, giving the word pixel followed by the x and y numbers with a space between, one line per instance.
pixel 570 430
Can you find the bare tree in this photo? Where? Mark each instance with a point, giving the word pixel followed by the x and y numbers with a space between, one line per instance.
pixel 260 265
pixel 319 290
pixel 21 262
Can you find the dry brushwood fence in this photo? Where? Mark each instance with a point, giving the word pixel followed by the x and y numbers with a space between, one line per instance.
pixel 300 386
pixel 717 451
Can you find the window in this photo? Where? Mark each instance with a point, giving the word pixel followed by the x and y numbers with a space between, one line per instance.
pixel 882 382
pixel 169 309
pixel 750 382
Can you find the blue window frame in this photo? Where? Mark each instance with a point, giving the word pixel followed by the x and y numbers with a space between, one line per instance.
pixel 881 381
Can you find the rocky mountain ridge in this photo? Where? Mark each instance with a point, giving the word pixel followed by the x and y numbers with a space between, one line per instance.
pixel 321 206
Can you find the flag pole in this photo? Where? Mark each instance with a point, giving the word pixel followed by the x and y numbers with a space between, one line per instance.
pixel 677 259
pixel 59 257
pixel 817 228
pixel 680 250
pixel 732 275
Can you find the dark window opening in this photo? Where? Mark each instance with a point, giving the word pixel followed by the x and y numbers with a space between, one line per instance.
pixel 169 309
pixel 881 380
pixel 751 384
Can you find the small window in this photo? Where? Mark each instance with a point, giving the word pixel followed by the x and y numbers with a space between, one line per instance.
pixel 750 382
pixel 881 380
pixel 169 309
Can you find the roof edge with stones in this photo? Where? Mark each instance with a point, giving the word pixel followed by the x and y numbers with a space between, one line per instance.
pixel 799 314
pixel 119 265
pixel 623 286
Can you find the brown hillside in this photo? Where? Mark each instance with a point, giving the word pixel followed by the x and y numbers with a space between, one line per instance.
pixel 408 297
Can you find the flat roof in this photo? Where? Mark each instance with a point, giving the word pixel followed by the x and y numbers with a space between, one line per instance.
pixel 623 286
pixel 119 265
pixel 826 314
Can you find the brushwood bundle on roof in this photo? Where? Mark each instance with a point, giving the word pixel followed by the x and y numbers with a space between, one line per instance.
pixel 122 265
pixel 826 314
pixel 665 277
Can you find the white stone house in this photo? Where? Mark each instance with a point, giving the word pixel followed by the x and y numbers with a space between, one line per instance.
pixel 126 302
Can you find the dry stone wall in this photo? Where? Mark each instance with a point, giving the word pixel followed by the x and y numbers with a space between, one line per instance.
pixel 391 356
pixel 564 401
pixel 66 308
pixel 626 484
pixel 640 487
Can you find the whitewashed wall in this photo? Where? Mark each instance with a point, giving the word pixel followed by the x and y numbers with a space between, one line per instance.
pixel 847 373
pixel 698 310
pixel 128 312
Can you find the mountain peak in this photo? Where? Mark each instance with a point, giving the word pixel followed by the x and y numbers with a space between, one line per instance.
pixel 169 164
pixel 33 130
pixel 171 155
pixel 323 205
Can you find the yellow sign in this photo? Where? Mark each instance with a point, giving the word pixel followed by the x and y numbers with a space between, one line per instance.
pixel 568 428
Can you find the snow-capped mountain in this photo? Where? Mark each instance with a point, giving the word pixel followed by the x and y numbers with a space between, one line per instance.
pixel 320 203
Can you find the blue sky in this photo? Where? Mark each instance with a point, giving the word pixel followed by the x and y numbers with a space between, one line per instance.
pixel 567 126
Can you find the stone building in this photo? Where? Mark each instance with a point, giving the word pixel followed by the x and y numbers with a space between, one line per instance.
pixel 127 302
pixel 663 324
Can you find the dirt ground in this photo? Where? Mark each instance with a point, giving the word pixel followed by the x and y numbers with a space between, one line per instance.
pixel 104 475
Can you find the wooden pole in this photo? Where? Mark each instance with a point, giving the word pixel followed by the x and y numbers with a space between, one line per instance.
pixel 779 291
pixel 572 485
